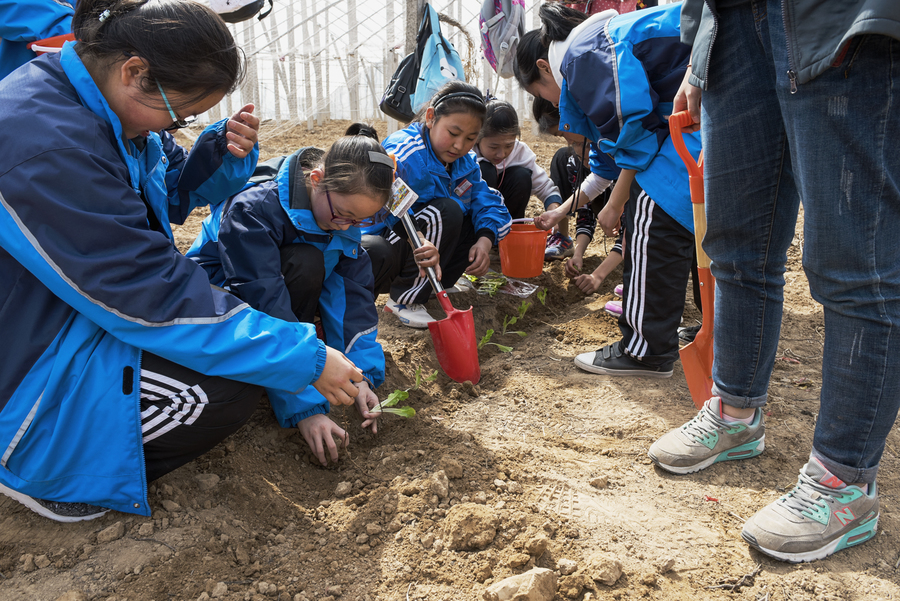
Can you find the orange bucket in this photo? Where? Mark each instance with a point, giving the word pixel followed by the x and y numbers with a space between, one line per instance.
pixel 522 251
pixel 53 44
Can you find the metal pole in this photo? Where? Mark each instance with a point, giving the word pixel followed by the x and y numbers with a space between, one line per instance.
pixel 353 61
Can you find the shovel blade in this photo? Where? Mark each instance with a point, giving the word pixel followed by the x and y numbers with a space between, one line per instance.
pixel 697 357
pixel 455 345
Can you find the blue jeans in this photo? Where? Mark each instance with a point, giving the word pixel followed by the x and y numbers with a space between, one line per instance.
pixel 832 144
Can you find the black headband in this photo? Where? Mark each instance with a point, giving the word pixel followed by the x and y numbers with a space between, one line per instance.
pixel 469 95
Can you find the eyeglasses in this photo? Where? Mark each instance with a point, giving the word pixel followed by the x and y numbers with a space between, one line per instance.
pixel 178 123
pixel 335 219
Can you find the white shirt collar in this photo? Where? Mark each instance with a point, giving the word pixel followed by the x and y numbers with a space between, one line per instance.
pixel 557 50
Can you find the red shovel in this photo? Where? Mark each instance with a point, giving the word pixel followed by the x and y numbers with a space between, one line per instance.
pixel 454 336
pixel 697 357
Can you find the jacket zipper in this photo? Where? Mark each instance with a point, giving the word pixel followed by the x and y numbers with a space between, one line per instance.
pixel 792 74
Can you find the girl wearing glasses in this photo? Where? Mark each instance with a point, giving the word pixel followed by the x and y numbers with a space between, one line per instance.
pixel 288 245
pixel 120 362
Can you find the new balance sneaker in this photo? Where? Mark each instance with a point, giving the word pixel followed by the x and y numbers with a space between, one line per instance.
pixel 611 360
pixel 708 439
pixel 820 516
pixel 413 316
pixel 558 247
pixel 56 510
pixel 614 308
pixel 618 290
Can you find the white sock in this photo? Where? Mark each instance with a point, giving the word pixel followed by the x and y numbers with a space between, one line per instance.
pixel 743 420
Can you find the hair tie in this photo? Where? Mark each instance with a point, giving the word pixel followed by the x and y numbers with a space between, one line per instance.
pixel 469 95
pixel 105 15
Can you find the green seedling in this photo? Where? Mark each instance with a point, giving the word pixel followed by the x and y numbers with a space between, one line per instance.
pixel 523 308
pixel 508 321
pixel 491 284
pixel 386 406
pixel 542 296
pixel 486 339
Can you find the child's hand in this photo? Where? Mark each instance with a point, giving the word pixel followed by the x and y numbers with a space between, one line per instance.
pixel 427 256
pixel 319 432
pixel 608 219
pixel 573 266
pixel 338 378
pixel 479 261
pixel 365 400
pixel 549 219
pixel 242 132
pixel 588 283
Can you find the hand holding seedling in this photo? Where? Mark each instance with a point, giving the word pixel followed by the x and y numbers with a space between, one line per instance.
pixel 319 432
pixel 366 400
pixel 479 261
pixel 426 256
pixel 574 265
pixel 242 131
pixel 339 379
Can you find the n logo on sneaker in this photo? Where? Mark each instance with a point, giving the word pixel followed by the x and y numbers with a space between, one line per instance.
pixel 845 516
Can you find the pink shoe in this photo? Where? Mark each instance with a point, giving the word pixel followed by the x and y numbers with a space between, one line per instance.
pixel 614 308
pixel 618 290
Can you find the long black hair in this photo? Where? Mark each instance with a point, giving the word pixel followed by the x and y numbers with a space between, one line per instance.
pixel 557 22
pixel 187 47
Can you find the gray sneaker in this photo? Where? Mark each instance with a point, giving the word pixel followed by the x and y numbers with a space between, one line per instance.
pixel 56 510
pixel 814 520
pixel 708 439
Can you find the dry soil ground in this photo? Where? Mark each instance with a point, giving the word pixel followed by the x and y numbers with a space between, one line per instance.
pixel 554 459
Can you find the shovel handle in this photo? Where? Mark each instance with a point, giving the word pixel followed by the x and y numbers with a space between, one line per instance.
pixel 416 244
pixel 677 124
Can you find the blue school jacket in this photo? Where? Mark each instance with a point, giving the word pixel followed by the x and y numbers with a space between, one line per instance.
pixel 240 248
pixel 620 76
pixel 87 281
pixel 419 167
pixel 24 21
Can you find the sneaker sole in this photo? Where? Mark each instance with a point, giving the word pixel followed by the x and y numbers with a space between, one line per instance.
pixel 406 322
pixel 613 313
pixel 856 536
pixel 39 509
pixel 744 451
pixel 603 371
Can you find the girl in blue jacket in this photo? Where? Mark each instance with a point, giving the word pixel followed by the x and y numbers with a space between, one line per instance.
pixel 120 361
pixel 614 78
pixel 458 216
pixel 289 247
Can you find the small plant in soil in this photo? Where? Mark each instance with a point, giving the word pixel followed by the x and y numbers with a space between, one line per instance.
pixel 508 321
pixel 486 339
pixel 542 296
pixel 387 405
